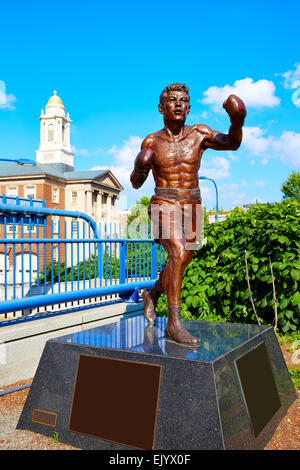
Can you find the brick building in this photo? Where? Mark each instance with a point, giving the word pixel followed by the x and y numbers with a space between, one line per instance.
pixel 53 178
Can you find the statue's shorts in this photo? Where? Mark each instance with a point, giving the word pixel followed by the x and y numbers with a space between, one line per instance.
pixel 177 220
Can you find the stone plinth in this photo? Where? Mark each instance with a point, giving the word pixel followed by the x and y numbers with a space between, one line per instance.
pixel 123 386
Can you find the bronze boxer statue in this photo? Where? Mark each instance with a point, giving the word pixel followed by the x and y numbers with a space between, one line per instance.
pixel 174 155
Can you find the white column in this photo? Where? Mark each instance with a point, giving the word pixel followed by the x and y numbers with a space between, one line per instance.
pixel 88 202
pixel 68 135
pixel 99 207
pixel 42 131
pixel 58 130
pixel 117 209
pixel 59 125
pixel 108 204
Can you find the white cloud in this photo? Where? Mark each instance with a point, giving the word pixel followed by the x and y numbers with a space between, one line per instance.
pixel 260 183
pixel 6 100
pixel 296 97
pixel 292 82
pixel 233 156
pixel 125 155
pixel 231 194
pixel 77 151
pixel 254 141
pixel 216 168
pixel 86 152
pixel 252 162
pixel 292 78
pixel 254 94
pixel 208 194
pixel 286 148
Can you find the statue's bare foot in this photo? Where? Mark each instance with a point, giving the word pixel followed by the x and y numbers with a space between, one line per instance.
pixel 180 334
pixel 175 331
pixel 149 306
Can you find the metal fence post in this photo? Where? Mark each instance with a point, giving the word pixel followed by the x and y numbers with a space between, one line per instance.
pixel 123 262
pixel 154 266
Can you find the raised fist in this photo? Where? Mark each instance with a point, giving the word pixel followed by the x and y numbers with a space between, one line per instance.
pixel 235 108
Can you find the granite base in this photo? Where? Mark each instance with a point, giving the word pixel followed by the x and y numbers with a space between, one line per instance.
pixel 144 392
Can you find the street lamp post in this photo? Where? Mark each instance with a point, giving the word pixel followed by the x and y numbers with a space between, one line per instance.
pixel 217 197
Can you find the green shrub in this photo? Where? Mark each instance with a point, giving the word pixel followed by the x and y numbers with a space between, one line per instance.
pixel 215 284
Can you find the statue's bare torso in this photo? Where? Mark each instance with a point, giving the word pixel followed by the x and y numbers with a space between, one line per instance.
pixel 177 159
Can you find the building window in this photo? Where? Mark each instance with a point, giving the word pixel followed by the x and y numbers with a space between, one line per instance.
pixel 74 197
pixel 50 133
pixel 55 224
pixel 26 229
pixel 12 191
pixel 55 195
pixel 74 225
pixel 64 133
pixel 30 191
pixel 55 253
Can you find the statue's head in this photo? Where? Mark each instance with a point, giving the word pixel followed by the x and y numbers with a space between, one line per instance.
pixel 174 101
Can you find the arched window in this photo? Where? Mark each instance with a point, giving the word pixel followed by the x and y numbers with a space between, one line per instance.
pixel 50 133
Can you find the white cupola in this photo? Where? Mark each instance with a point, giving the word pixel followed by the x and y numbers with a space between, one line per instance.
pixel 55 147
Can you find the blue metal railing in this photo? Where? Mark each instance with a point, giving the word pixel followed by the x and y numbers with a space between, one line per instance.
pixel 72 261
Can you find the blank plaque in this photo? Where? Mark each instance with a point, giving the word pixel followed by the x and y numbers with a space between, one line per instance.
pixel 116 400
pixel 258 386
pixel 44 417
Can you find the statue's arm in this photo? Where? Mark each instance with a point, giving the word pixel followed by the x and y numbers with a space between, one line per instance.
pixel 236 110
pixel 143 164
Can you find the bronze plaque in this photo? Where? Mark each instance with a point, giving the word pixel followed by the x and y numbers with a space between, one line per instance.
pixel 44 417
pixel 259 387
pixel 116 400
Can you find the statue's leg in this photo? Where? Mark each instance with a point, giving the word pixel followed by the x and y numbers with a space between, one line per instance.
pixel 151 297
pixel 180 253
pixel 179 258
pixel 167 220
pixel 157 211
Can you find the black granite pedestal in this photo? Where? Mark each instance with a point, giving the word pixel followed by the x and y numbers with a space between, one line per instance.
pixel 123 386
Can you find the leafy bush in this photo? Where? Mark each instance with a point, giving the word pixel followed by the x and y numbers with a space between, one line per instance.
pixel 215 284
pixel 137 262
pixel 83 270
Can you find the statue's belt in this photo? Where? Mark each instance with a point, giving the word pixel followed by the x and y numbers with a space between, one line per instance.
pixel 178 193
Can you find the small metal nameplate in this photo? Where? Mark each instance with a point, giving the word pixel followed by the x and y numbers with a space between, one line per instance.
pixel 44 417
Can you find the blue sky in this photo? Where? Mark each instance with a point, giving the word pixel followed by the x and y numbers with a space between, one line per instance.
pixel 109 62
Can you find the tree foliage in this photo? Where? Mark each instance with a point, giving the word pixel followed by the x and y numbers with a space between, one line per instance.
pixel 291 187
pixel 139 212
pixel 214 285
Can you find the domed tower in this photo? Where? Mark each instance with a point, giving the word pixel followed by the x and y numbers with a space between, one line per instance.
pixel 55 146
